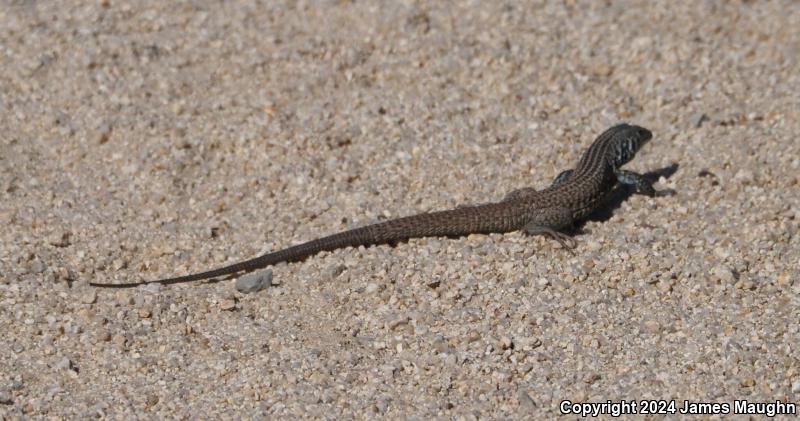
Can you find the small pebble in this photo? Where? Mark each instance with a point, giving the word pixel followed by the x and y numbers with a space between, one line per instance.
pixel 525 400
pixel 400 321
pixel 505 342
pixel 89 297
pixel 63 363
pixel 119 341
pixel 254 282
pixel 372 287
pixel 382 405
pixel 744 176
pixel 60 239
pixel 441 346
pixel 337 270
pixel 37 266
pixel 227 304
pixel 723 274
pixel 698 119
pixel 591 378
pixel 5 398
pixel 652 326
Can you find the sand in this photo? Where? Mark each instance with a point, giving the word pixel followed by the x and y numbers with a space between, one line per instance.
pixel 150 139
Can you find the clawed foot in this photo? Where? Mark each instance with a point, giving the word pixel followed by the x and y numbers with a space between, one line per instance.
pixel 565 240
pixel 648 190
pixel 665 192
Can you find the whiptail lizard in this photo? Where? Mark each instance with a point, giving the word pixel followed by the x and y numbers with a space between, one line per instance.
pixel 573 195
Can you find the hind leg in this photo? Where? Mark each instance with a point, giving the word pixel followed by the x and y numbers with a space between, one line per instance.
pixel 548 222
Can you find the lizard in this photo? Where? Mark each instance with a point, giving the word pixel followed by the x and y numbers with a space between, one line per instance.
pixel 573 195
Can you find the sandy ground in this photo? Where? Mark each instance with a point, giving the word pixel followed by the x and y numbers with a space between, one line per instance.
pixel 141 140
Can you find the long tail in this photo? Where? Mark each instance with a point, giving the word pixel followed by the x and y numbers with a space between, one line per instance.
pixel 487 218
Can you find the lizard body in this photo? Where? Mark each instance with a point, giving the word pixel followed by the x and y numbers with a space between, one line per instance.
pixel 573 195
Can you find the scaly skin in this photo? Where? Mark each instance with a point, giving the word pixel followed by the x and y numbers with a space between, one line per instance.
pixel 573 195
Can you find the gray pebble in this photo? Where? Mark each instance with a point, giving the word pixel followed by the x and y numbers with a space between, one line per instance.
pixel 89 297
pixel 337 270
pixel 382 405
pixel 724 274
pixel 652 326
pixel 153 288
pixel 5 398
pixel 37 266
pixel 63 363
pixel 372 287
pixel 698 119
pixel 254 282
pixel 441 346
pixel 525 400
pixel 60 239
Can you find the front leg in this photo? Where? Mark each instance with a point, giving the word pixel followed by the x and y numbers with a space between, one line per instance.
pixel 638 181
pixel 562 177
pixel 548 222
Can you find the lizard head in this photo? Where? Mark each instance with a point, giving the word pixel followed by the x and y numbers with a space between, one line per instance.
pixel 626 139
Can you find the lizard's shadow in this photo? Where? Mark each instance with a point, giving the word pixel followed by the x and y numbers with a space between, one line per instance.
pixel 619 195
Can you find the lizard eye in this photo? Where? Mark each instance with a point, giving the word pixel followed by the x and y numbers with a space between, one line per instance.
pixel 644 135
